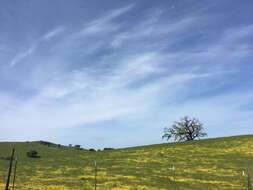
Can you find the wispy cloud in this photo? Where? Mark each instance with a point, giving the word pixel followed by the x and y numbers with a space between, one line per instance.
pixel 27 52
pixel 139 74
pixel 53 33
pixel 22 56
pixel 104 23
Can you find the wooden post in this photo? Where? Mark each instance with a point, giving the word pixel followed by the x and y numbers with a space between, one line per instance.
pixel 10 168
pixel 95 182
pixel 249 185
pixel 14 177
pixel 174 176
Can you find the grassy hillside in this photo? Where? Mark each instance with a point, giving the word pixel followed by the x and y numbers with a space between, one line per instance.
pixel 207 164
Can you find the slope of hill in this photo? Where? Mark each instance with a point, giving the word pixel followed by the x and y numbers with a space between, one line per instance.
pixel 206 164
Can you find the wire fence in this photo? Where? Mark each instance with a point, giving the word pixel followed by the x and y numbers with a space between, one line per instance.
pixel 174 175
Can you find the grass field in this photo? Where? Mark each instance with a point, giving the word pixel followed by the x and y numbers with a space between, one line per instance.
pixel 199 165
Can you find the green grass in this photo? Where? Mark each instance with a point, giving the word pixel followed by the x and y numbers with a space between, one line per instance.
pixel 199 165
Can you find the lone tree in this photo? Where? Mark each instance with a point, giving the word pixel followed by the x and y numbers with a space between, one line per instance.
pixel 187 129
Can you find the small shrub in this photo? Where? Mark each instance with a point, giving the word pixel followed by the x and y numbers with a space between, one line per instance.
pixel 108 149
pixel 92 150
pixel 78 146
pixel 32 154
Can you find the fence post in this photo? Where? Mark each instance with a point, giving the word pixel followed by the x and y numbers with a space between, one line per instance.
pixel 249 185
pixel 15 170
pixel 95 182
pixel 174 177
pixel 10 168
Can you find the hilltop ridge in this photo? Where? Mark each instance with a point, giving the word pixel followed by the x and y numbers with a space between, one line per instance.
pixel 205 164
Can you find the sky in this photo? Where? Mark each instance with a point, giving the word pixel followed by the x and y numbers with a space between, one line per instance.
pixel 115 73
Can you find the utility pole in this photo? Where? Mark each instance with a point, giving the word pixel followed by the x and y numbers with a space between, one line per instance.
pixel 15 170
pixel 10 168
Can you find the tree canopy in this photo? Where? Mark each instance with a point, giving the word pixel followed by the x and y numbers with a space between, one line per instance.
pixel 186 129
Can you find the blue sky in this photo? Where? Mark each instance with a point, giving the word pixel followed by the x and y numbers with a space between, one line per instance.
pixel 115 73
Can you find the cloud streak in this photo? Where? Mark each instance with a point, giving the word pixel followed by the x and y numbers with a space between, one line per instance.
pixel 139 75
pixel 28 52
pixel 22 56
pixel 53 33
